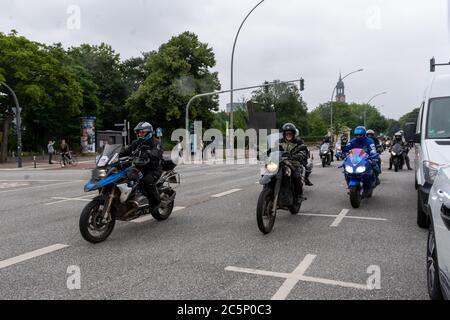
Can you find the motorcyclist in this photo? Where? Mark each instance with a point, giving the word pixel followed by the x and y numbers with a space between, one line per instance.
pixel 148 149
pixel 371 134
pixel 398 138
pixel 343 142
pixel 290 142
pixel 327 139
pixel 361 141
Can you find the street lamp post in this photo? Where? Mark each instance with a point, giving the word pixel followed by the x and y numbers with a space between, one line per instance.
pixel 18 125
pixel 365 107
pixel 232 66
pixel 332 95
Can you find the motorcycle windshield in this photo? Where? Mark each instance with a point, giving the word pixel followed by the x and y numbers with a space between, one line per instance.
pixel 325 148
pixel 397 148
pixel 356 156
pixel 110 154
pixel 275 156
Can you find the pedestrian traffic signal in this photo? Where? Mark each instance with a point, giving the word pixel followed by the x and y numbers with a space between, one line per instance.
pixel 302 84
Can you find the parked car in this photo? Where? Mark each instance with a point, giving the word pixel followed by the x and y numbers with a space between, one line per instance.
pixel 432 142
pixel 438 249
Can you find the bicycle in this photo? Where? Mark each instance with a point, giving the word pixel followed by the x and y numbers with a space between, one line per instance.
pixel 70 159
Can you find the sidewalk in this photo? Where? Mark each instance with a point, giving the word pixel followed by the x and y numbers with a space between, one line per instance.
pixel 28 163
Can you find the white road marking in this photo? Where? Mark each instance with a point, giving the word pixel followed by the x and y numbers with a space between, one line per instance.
pixel 226 193
pixel 8 185
pixel 290 282
pixel 38 187
pixel 31 255
pixel 149 217
pixel 298 275
pixel 339 218
pixel 87 198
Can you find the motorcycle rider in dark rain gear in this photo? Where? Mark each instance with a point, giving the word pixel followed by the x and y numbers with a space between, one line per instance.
pixel 378 146
pixel 291 143
pixel 149 150
pixel 398 138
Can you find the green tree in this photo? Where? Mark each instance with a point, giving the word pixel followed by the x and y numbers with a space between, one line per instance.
pixel 179 70
pixel 104 90
pixel 409 117
pixel 285 100
pixel 46 87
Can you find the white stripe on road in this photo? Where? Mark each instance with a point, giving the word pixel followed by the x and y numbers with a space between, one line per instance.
pixel 339 218
pixel 346 217
pixel 298 275
pixel 290 282
pixel 31 255
pixel 226 193
pixel 149 217
pixel 87 198
pixel 38 187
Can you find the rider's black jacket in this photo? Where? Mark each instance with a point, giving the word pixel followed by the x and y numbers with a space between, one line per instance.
pixel 149 149
pixel 297 149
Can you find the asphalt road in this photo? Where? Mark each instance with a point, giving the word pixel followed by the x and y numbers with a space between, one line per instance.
pixel 211 247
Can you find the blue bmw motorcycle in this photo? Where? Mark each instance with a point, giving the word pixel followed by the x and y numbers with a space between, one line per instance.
pixel 359 176
pixel 121 196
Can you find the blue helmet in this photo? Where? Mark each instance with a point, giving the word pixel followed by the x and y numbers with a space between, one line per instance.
pixel 360 131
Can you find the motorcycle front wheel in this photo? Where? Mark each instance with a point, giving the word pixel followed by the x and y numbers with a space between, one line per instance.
pixel 264 211
pixel 91 226
pixel 355 197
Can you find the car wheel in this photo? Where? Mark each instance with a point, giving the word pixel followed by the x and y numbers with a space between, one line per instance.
pixel 434 285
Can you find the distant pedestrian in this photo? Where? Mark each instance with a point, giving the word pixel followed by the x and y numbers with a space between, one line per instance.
pixel 50 150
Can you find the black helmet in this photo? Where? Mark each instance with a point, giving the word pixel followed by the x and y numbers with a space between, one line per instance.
pixel 144 126
pixel 289 127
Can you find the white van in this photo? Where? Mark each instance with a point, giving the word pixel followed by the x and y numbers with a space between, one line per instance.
pixel 432 141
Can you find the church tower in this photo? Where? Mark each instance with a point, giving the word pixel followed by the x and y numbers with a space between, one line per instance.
pixel 340 93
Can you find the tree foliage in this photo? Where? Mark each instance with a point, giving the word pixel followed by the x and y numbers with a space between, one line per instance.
pixel 175 73
pixel 287 103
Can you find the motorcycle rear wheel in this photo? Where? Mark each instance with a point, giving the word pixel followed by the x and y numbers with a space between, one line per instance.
pixel 264 215
pixel 163 213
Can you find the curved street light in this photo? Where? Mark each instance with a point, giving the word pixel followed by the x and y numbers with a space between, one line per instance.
pixel 232 64
pixel 18 124
pixel 365 107
pixel 332 95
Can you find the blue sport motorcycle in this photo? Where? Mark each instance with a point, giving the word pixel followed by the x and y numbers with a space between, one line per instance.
pixel 121 196
pixel 359 175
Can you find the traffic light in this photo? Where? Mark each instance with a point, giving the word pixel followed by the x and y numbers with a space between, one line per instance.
pixel 302 84
pixel 266 87
pixel 433 64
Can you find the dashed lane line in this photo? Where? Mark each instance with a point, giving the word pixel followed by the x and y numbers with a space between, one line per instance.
pixel 226 193
pixel 30 255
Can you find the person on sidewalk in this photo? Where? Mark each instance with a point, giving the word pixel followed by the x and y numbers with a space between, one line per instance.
pixel 50 150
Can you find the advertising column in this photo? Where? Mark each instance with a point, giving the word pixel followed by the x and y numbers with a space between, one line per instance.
pixel 88 134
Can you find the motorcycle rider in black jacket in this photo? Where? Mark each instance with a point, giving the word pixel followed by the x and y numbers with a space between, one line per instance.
pixel 299 156
pixel 398 138
pixel 148 149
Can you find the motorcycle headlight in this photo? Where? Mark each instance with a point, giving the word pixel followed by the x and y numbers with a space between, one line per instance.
pixel 102 173
pixel 349 169
pixel 272 167
pixel 394 154
pixel 430 171
pixel 361 169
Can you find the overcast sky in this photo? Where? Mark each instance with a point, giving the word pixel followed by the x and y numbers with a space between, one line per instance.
pixel 392 40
